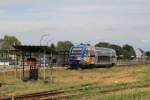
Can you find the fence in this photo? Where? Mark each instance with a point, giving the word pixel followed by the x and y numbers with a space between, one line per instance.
pixel 133 62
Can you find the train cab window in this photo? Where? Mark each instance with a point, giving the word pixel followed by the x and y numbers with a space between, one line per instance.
pixel 76 51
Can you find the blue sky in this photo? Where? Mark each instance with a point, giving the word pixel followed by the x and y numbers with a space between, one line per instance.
pixel 115 21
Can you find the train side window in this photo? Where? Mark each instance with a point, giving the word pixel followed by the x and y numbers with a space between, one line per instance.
pixel 103 58
pixel 99 58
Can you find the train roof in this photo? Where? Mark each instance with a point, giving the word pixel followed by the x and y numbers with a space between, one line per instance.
pixel 97 48
pixel 104 49
pixel 84 45
pixel 101 51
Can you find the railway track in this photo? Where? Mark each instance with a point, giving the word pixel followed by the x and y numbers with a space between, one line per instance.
pixel 48 95
pixel 131 64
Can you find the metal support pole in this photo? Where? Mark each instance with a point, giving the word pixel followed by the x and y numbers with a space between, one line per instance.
pixel 4 71
pixel 42 37
pixel 51 69
pixel 20 67
pixel 15 71
pixel 44 65
pixel 23 65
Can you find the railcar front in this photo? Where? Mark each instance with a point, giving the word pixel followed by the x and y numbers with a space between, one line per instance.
pixel 82 56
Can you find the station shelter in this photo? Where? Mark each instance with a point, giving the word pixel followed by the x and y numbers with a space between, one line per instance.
pixel 34 57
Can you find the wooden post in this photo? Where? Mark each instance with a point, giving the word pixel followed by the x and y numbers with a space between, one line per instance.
pixel 23 64
pixel 51 69
pixel 30 58
pixel 4 71
pixel 15 65
pixel 20 66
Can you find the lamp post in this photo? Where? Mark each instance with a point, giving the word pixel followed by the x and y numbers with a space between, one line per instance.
pixel 48 45
pixel 51 67
pixel 45 60
pixel 41 39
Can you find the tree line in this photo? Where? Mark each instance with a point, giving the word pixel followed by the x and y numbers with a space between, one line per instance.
pixel 123 52
pixel 126 51
pixel 8 41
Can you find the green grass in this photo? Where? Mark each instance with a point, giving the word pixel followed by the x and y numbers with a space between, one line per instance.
pixel 116 83
pixel 122 91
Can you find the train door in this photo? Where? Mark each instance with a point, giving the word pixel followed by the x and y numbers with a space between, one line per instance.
pixel 91 56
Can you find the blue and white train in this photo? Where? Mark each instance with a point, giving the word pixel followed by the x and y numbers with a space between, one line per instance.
pixel 84 54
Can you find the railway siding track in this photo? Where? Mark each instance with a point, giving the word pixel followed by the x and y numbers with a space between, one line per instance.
pixel 48 95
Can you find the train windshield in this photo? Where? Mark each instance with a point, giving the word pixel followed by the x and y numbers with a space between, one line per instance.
pixel 76 51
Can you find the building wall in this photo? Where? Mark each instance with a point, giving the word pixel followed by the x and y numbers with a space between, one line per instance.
pixel 138 54
pixel 62 58
pixel 4 63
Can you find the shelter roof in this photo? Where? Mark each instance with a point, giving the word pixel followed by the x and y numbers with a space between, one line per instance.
pixel 33 48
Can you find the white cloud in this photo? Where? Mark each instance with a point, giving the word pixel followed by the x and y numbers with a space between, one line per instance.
pixel 145 41
pixel 124 21
pixel 23 26
pixel 16 2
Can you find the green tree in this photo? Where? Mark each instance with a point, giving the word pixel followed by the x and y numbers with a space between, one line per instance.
pixel 128 51
pixel 103 44
pixel 52 46
pixel 118 49
pixel 147 53
pixel 9 41
pixel 64 45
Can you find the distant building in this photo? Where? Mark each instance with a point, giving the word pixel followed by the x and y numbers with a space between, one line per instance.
pixel 140 54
